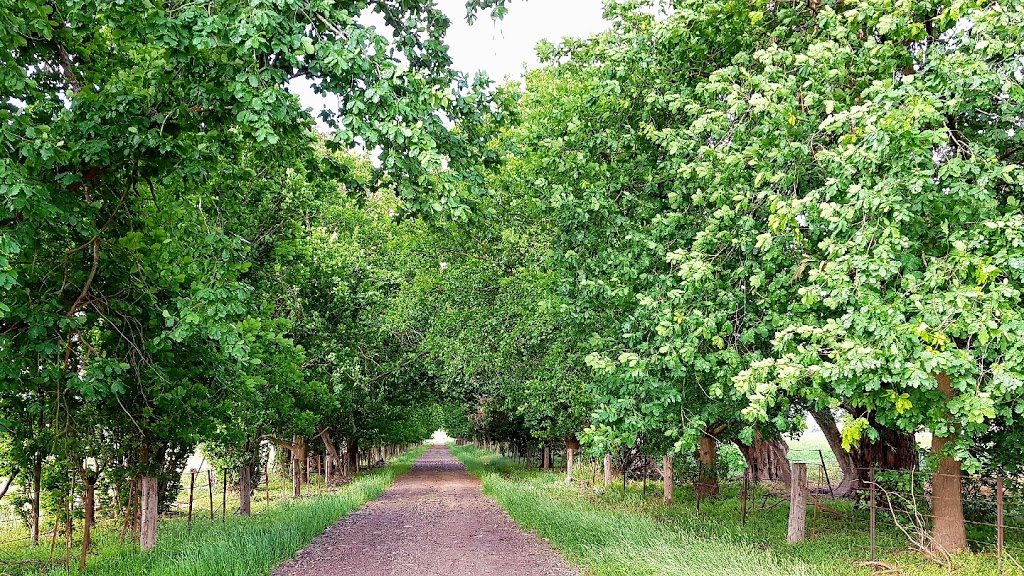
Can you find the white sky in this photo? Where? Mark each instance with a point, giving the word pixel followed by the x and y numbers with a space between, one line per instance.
pixel 502 48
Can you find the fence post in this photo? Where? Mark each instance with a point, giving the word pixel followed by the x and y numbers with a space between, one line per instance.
pixel 669 482
pixel 798 504
pixel 607 470
pixel 999 521
pixel 825 470
pixel 871 478
pixel 568 465
pixel 191 492
pixel 224 497
pixel 743 498
pixel 209 485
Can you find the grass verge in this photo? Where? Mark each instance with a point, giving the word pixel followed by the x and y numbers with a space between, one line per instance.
pixel 238 546
pixel 624 532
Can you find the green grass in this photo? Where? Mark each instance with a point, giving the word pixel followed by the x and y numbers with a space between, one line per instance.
pixel 625 532
pixel 236 547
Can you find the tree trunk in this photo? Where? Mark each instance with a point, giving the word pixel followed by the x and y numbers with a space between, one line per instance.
pixel 707 461
pixel 852 478
pixel 332 456
pixel 150 495
pixel 245 490
pixel 298 465
pixel 89 520
pixel 766 459
pixel 572 446
pixel 607 470
pixel 894 450
pixel 547 458
pixel 668 480
pixel 948 529
pixel 352 456
pixel 37 477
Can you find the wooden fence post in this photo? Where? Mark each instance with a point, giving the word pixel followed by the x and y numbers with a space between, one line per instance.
pixel 191 492
pixel 1000 511
pixel 607 470
pixel 209 485
pixel 547 458
pixel 669 482
pixel 224 497
pixel 871 515
pixel 568 465
pixel 824 470
pixel 798 504
pixel 743 498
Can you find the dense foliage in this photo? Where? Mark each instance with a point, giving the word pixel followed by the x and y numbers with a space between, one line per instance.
pixel 693 229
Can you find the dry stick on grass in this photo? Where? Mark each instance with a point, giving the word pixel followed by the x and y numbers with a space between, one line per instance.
pixel 129 512
pixel 923 541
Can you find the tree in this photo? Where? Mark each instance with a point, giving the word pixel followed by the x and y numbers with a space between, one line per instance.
pixel 912 242
pixel 120 290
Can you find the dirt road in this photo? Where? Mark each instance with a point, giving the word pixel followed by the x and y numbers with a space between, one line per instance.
pixel 432 521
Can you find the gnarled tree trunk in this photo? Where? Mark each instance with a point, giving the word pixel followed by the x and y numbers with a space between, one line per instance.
pixel 894 450
pixel 766 459
pixel 331 464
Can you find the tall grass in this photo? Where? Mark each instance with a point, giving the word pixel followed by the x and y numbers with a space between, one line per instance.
pixel 624 532
pixel 238 546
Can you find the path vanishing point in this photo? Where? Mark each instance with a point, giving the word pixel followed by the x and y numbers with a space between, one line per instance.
pixel 433 521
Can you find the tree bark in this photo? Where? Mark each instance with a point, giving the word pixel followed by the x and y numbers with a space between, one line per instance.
pixel 572 446
pixel 948 530
pixel 352 456
pixel 766 460
pixel 852 478
pixel 894 450
pixel 245 489
pixel 607 470
pixel 150 495
pixel 332 455
pixel 707 461
pixel 90 518
pixel 547 458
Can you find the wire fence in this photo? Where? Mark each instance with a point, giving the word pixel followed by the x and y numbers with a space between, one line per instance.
pixel 205 495
pixel 889 509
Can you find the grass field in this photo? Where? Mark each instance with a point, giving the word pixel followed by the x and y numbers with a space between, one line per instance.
pixel 236 546
pixel 626 533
